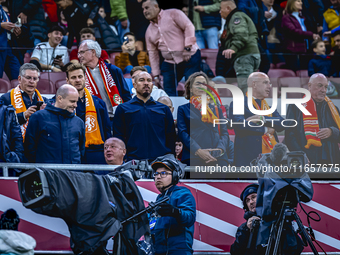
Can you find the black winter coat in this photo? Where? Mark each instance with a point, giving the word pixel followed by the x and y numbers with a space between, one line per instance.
pixel 35 16
pixel 11 144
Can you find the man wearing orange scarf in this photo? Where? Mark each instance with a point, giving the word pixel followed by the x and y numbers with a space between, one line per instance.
pixel 24 97
pixel 317 134
pixel 252 141
pixel 92 110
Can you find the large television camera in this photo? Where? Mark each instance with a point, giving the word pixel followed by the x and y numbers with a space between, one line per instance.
pixel 94 207
pixel 283 184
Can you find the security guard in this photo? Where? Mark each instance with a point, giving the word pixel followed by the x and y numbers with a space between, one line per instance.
pixel 239 42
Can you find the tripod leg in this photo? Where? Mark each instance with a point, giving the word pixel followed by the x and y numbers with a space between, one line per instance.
pixel 270 239
pixel 279 232
pixel 303 231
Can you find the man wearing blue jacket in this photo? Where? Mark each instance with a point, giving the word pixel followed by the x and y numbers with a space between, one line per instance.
pixel 55 134
pixel 146 126
pixel 96 120
pixel 173 231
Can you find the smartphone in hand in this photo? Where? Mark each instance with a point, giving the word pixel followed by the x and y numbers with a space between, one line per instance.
pixel 39 104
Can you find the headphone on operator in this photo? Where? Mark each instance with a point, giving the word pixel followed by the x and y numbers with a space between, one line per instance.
pixel 250 189
pixel 171 163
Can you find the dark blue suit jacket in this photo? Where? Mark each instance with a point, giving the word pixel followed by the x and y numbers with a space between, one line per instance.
pixel 196 134
pixel 248 140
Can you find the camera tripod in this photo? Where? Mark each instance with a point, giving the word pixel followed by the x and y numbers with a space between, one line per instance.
pixel 288 215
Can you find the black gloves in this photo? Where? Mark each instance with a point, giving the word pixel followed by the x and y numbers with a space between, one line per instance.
pixel 166 209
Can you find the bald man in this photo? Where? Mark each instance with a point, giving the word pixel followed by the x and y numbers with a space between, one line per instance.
pixel 114 151
pixel 146 126
pixel 318 135
pixel 55 134
pixel 167 101
pixel 260 137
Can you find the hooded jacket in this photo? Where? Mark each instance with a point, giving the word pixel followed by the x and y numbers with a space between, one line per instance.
pixel 55 135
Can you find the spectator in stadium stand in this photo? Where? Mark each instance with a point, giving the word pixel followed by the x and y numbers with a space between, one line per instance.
pixel 132 10
pixel 319 139
pixel 179 150
pixel 239 247
pixel 87 34
pixel 172 33
pixel 167 101
pixel 92 110
pixel 331 19
pixel 120 17
pixel 131 57
pixel 200 138
pixel 25 97
pixel 336 55
pixel 114 151
pixel 296 35
pixel 321 63
pixel 273 17
pixel 252 141
pixel 83 13
pixel 31 12
pixel 146 126
pixel 156 93
pixel 103 80
pixel 11 147
pixel 173 231
pixel 56 135
pixel 8 62
pixel 254 10
pixel 239 42
pixel 206 18
pixel 51 55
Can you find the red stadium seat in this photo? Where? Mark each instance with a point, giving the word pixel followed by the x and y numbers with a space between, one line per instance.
pixel 53 76
pixel 302 73
pixel 59 83
pixel 210 55
pixel 5 86
pixel 14 83
pixel 180 88
pixel 5 77
pixel 277 73
pixel 46 87
pixel 27 58
pixel 291 82
pixel 112 57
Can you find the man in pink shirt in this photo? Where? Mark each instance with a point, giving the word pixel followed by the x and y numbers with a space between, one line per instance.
pixel 171 32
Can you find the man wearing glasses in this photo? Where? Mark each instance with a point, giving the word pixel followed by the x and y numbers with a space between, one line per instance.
pixel 25 98
pixel 172 224
pixel 256 134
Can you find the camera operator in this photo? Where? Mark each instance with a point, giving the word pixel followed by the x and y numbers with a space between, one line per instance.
pixel 245 242
pixel 173 231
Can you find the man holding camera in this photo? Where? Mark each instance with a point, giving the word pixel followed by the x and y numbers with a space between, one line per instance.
pixel 246 234
pixel 173 232
pixel 51 55
pixel 25 98
pixel 318 134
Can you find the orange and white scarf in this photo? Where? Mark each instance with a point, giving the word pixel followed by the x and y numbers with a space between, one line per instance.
pixel 311 122
pixel 109 83
pixel 196 101
pixel 92 130
pixel 268 140
pixel 18 102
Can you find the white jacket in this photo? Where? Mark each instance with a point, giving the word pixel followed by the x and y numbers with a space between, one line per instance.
pixel 16 242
